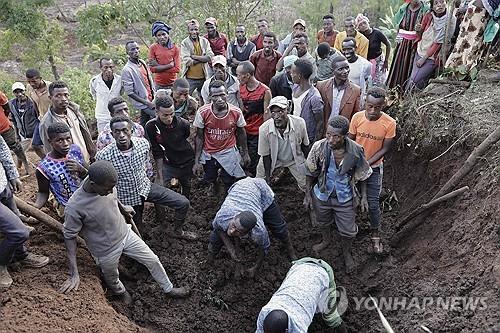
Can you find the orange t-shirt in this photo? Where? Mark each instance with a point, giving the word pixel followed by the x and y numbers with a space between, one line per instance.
pixel 4 120
pixel 371 134
pixel 321 37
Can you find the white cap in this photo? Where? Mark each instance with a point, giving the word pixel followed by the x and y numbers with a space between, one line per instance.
pixel 18 85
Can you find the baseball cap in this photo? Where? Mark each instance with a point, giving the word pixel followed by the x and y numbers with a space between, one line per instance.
pixel 18 85
pixel 289 60
pixel 219 59
pixel 211 20
pixel 299 21
pixel 279 101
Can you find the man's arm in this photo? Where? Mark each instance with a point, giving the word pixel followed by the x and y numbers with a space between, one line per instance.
pixel 381 153
pixel 43 190
pixel 93 92
pixel 267 168
pixel 136 98
pixel 267 100
pixel 6 108
pixel 279 65
pixel 241 137
pixel 198 145
pixel 318 118
pixel 387 44
pixel 73 282
pixel 231 249
pixel 258 263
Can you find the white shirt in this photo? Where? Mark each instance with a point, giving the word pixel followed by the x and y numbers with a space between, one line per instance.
pixel 102 94
pixel 297 103
pixel 337 100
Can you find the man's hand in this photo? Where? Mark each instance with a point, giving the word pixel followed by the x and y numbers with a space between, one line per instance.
pixel 364 204
pixel 385 66
pixel 129 213
pixel 198 169
pixel 74 167
pixel 15 185
pixel 153 62
pixel 251 272
pixel 421 62
pixel 418 27
pixel 150 105
pixel 72 283
pixel 245 159
pixel 308 201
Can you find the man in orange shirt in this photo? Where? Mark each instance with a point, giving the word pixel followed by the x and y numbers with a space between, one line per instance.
pixel 375 131
pixel 164 56
pixel 8 133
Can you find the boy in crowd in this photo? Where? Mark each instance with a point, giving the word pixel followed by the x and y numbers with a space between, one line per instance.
pixel 375 131
pixel 61 170
pixel 168 134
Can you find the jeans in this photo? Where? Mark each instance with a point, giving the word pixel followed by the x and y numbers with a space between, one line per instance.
pixel 211 169
pixel 135 248
pixel 195 84
pixel 373 187
pixel 273 220
pixel 184 175
pixel 253 146
pixel 14 231
pixel 37 139
pixel 146 115
pixel 165 197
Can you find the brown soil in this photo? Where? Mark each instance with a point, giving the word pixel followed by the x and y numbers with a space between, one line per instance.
pixel 453 254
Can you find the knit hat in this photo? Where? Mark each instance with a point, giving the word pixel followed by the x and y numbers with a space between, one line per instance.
pixel 289 60
pixel 360 18
pixel 160 26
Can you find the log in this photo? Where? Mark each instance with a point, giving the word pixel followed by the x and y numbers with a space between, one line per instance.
pixel 469 163
pixel 48 220
pixel 431 204
pixel 465 84
pixel 424 208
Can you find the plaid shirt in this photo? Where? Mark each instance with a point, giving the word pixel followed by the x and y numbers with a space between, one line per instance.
pixel 8 169
pixel 133 182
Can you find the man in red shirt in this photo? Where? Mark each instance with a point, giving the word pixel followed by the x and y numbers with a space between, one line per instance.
pixel 262 27
pixel 8 133
pixel 218 40
pixel 255 97
pixel 164 56
pixel 265 60
pixel 219 126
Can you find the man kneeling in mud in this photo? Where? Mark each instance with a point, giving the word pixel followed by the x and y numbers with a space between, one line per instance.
pixel 247 210
pixel 95 213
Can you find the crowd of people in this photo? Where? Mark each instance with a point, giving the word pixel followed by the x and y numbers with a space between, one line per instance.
pixel 237 114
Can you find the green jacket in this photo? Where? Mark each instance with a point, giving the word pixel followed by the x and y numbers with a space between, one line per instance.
pixel 398 17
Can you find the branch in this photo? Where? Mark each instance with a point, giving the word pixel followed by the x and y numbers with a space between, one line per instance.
pixel 251 10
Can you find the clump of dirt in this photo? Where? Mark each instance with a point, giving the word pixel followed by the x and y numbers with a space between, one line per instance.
pixel 453 254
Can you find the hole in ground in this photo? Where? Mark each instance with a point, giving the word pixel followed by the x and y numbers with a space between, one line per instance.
pixel 436 260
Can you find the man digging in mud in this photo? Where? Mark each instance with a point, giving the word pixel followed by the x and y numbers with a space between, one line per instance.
pixel 309 288
pixel 336 163
pixel 95 213
pixel 247 210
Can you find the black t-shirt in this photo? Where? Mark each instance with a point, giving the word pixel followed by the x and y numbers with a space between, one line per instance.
pixel 375 39
pixel 109 83
pixel 170 142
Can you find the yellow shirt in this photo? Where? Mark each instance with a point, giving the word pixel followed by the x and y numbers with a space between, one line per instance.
pixel 361 43
pixel 196 71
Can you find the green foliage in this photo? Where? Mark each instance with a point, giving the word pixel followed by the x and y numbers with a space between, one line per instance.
pixel 78 80
pixel 96 22
pixel 6 81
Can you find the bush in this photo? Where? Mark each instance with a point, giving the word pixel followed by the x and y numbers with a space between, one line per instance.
pixel 78 80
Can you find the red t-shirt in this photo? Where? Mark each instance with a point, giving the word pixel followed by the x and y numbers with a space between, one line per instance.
pixel 145 79
pixel 258 41
pixel 165 56
pixel 265 67
pixel 218 44
pixel 253 107
pixel 219 133
pixel 4 120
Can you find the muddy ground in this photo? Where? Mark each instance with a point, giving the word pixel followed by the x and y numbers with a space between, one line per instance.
pixel 455 253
